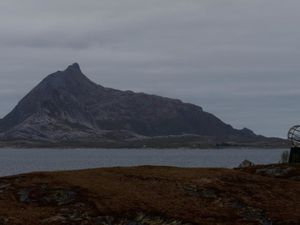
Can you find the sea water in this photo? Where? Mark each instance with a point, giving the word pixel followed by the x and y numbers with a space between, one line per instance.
pixel 16 161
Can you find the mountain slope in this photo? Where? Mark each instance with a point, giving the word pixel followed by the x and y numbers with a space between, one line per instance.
pixel 67 106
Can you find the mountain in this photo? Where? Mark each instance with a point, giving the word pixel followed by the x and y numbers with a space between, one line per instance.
pixel 67 107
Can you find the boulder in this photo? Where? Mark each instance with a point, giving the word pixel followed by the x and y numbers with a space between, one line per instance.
pixel 246 163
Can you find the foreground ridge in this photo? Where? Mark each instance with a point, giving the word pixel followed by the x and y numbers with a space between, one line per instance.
pixel 153 195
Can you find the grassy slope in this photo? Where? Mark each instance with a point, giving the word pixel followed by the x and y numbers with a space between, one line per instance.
pixel 150 195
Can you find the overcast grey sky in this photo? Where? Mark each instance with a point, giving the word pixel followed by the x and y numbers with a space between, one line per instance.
pixel 238 59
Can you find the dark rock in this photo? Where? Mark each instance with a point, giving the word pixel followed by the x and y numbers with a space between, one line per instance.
pixel 246 163
pixel 4 187
pixel 104 220
pixel 144 219
pixel 54 219
pixel 297 178
pixel 140 219
pixel 4 221
pixel 250 213
pixel 275 171
pixel 43 195
pixel 200 192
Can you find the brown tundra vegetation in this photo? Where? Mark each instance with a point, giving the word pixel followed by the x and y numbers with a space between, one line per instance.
pixel 266 195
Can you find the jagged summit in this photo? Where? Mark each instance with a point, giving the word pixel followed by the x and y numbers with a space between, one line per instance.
pixel 73 68
pixel 73 71
pixel 67 106
pixel 70 81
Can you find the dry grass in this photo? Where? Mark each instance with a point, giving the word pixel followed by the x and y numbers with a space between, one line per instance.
pixel 166 194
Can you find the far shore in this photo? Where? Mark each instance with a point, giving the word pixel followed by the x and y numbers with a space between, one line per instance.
pixel 279 143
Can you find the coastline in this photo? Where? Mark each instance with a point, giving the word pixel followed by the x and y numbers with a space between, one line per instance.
pixel 167 143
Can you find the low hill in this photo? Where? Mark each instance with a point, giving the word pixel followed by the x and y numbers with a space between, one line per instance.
pixel 263 195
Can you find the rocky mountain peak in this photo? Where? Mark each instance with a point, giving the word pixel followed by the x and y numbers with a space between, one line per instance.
pixel 67 105
pixel 74 68
pixel 71 79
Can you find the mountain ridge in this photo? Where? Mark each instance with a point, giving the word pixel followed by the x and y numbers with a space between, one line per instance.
pixel 67 106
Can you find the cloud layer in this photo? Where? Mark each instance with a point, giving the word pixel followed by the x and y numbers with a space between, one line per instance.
pixel 238 59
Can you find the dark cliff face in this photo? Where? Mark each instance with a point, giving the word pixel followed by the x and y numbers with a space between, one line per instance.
pixel 67 105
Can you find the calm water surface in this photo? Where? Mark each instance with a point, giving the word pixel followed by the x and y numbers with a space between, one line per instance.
pixel 15 161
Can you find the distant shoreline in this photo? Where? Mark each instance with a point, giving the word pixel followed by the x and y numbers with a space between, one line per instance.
pixel 165 146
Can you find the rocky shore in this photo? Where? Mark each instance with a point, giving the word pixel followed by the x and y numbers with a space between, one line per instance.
pixel 266 195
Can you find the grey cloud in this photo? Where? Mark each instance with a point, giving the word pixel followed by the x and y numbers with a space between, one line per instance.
pixel 239 59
